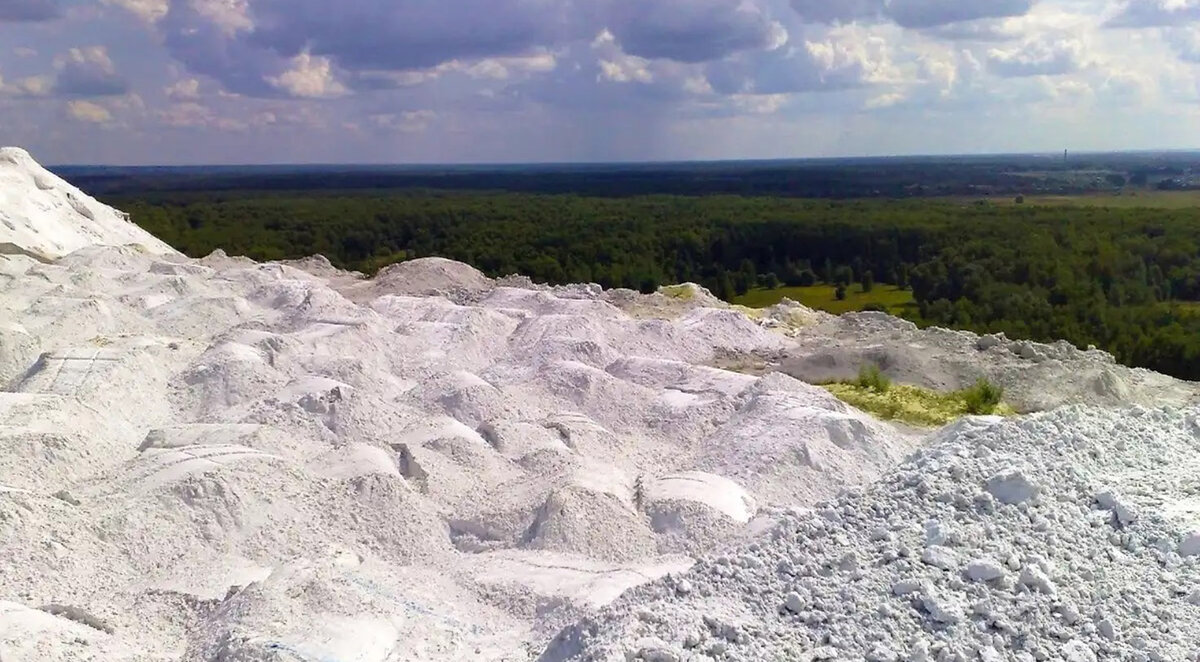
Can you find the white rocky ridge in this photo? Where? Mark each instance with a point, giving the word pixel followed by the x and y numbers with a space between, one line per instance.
pixel 221 460
pixel 1035 377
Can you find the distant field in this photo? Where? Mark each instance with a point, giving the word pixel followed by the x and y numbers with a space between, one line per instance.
pixel 1126 200
pixel 822 297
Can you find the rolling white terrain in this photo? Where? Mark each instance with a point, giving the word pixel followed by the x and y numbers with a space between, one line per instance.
pixel 219 460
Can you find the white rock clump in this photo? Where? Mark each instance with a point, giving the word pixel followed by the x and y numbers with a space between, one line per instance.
pixel 1190 546
pixel 984 570
pixel 1012 487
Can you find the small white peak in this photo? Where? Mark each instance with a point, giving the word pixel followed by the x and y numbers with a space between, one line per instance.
pixel 44 216
pixel 15 156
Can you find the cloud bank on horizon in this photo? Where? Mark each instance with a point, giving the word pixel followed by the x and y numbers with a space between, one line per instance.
pixel 240 81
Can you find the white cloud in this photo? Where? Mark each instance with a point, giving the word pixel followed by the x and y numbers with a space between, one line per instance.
pixel 1042 56
pixel 406 122
pixel 35 86
pixel 615 65
pixel 503 68
pixel 853 53
pixel 628 69
pixel 186 114
pixel 1127 85
pixel 885 100
pixel 310 77
pixel 230 16
pixel 1150 13
pixel 187 89
pixel 149 11
pixel 191 115
pixel 93 56
pixel 86 111
pixel 759 104
pixel 88 72
pixel 31 86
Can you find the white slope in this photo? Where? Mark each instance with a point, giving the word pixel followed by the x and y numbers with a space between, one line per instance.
pixel 1070 535
pixel 44 215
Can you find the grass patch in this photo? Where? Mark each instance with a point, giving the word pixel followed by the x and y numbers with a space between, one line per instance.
pixel 682 292
pixel 823 297
pixel 920 406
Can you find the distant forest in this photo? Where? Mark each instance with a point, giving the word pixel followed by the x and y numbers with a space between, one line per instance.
pixel 896 177
pixel 1126 280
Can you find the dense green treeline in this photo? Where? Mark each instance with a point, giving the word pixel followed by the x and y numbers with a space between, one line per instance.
pixel 1116 278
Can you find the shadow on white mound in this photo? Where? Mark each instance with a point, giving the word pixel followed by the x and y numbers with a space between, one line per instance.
pixel 33 635
pixel 348 610
pixel 575 578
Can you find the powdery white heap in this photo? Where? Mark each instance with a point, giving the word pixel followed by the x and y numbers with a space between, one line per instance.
pixel 222 460
pixel 44 215
pixel 1063 536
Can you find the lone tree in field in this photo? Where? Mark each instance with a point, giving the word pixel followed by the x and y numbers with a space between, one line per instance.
pixel 868 281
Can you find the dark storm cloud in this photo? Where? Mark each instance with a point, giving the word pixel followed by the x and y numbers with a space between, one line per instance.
pixel 696 31
pixel 28 10
pixel 1154 13
pixel 932 13
pixel 410 34
pixel 779 73
pixel 909 13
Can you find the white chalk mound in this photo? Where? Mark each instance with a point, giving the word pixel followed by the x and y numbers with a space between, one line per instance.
pixel 955 555
pixel 43 215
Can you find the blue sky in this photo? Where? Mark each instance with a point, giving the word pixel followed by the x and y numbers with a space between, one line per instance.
pixel 391 81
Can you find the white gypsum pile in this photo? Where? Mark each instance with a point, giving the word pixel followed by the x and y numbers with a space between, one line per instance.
pixel 1064 536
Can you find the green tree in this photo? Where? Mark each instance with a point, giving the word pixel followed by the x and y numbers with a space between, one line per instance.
pixel 843 275
pixel 725 287
pixel 868 281
pixel 827 273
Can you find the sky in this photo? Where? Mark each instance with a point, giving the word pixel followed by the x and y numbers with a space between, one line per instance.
pixel 476 81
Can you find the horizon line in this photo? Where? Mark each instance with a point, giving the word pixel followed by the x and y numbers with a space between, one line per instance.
pixel 646 162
